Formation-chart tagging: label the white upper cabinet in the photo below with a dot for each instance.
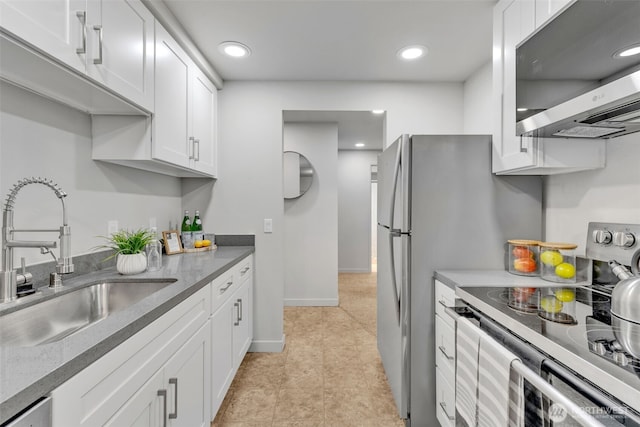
(56, 27)
(121, 48)
(185, 109)
(180, 138)
(203, 123)
(546, 9)
(172, 81)
(59, 43)
(513, 22)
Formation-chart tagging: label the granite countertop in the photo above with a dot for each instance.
(29, 373)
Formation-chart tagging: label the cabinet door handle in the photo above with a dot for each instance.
(223, 290)
(244, 270)
(523, 149)
(191, 147)
(163, 393)
(82, 17)
(237, 306)
(240, 309)
(444, 351)
(443, 406)
(98, 60)
(173, 416)
(196, 144)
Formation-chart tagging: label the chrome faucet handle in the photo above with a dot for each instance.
(55, 281)
(23, 277)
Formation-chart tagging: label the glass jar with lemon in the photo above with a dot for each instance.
(558, 304)
(558, 262)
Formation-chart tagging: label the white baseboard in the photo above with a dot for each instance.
(311, 302)
(354, 270)
(267, 346)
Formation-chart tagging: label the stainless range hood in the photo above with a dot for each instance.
(571, 80)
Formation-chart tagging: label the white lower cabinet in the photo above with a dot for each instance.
(232, 327)
(172, 355)
(178, 393)
(144, 408)
(221, 354)
(445, 349)
(174, 372)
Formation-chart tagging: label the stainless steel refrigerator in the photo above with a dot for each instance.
(439, 207)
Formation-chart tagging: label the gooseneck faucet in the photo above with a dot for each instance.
(8, 276)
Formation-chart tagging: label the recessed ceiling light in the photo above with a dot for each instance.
(628, 51)
(377, 111)
(412, 52)
(234, 49)
(360, 144)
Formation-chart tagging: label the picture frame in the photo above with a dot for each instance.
(172, 243)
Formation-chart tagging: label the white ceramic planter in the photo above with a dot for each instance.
(131, 264)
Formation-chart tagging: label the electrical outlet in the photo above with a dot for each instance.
(268, 225)
(112, 227)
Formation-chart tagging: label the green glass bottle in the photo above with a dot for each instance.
(187, 234)
(186, 222)
(196, 227)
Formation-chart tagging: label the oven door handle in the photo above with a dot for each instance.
(574, 411)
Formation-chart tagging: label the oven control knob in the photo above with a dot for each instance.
(599, 348)
(602, 237)
(623, 239)
(620, 358)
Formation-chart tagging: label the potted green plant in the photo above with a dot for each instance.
(129, 248)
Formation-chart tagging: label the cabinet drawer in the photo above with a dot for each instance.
(445, 401)
(445, 345)
(245, 269)
(222, 289)
(445, 297)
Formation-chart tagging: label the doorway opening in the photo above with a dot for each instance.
(374, 218)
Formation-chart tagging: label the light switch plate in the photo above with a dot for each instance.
(268, 225)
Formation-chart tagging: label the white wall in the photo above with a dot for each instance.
(39, 137)
(354, 210)
(478, 111)
(311, 221)
(249, 187)
(611, 194)
(571, 201)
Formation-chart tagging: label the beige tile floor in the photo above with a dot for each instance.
(329, 374)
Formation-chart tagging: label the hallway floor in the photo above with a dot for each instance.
(329, 375)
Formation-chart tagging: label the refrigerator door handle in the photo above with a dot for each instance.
(394, 285)
(396, 174)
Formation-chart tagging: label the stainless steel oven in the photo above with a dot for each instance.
(555, 394)
(579, 367)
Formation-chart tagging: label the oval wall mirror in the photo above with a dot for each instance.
(298, 174)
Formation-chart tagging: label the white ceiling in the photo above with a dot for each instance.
(347, 40)
(353, 126)
(341, 40)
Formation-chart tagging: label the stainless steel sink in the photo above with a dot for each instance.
(56, 318)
